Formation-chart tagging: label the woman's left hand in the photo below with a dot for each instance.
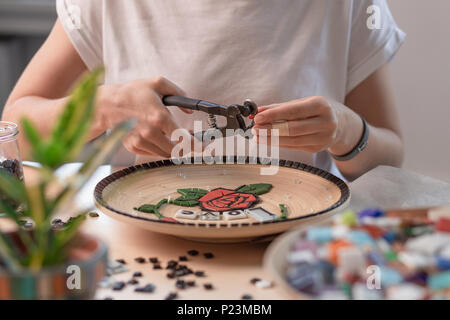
(311, 124)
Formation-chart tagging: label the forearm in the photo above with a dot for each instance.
(384, 147)
(42, 112)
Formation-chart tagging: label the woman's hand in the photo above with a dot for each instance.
(140, 99)
(311, 124)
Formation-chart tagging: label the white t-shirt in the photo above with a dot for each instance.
(228, 51)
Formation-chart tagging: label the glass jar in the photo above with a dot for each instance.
(9, 152)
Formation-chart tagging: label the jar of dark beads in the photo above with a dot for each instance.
(9, 152)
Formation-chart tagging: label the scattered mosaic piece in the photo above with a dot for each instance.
(115, 267)
(235, 215)
(153, 260)
(199, 274)
(139, 260)
(149, 288)
(186, 214)
(106, 282)
(263, 284)
(171, 264)
(208, 286)
(171, 296)
(171, 275)
(57, 221)
(260, 214)
(181, 284)
(193, 253)
(210, 215)
(118, 286)
(284, 213)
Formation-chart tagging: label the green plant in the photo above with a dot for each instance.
(44, 245)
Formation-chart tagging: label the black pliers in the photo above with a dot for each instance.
(234, 113)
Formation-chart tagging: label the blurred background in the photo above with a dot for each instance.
(420, 71)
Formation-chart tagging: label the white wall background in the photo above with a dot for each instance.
(421, 79)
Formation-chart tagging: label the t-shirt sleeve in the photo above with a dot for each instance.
(82, 21)
(375, 39)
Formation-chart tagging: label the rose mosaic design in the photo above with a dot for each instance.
(221, 200)
(218, 200)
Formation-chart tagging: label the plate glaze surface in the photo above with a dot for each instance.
(310, 194)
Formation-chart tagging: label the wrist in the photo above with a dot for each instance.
(103, 99)
(349, 132)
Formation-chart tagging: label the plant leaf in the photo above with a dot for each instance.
(78, 108)
(31, 133)
(9, 211)
(70, 229)
(8, 255)
(12, 187)
(102, 150)
(61, 240)
(36, 204)
(73, 125)
(256, 189)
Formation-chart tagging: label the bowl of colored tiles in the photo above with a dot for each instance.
(220, 202)
(372, 255)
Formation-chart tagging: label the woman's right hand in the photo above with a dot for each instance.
(140, 99)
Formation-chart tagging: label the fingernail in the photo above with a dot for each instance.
(259, 118)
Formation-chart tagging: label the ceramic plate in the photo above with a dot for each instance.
(310, 195)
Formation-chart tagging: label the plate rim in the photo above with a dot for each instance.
(102, 184)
